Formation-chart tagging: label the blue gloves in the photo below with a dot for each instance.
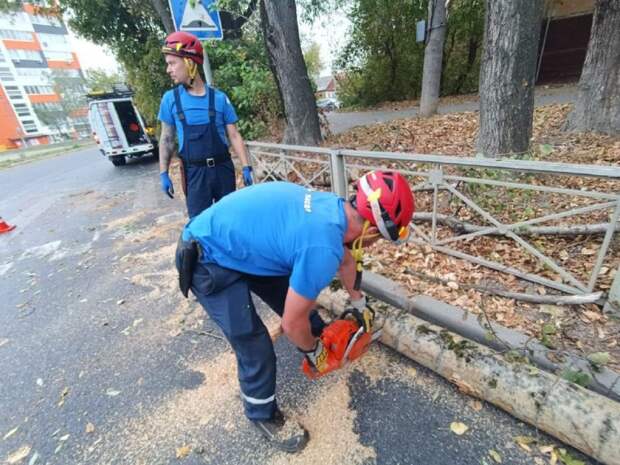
(166, 184)
(247, 176)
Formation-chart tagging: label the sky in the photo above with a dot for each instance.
(329, 31)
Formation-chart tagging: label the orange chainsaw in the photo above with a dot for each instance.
(347, 338)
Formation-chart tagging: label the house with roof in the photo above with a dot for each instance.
(326, 87)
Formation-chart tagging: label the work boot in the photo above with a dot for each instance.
(286, 435)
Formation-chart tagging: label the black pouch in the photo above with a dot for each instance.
(186, 259)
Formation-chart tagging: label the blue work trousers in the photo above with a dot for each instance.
(225, 295)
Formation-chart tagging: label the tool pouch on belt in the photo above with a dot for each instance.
(187, 257)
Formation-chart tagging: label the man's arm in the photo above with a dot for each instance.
(167, 146)
(237, 144)
(296, 320)
(347, 274)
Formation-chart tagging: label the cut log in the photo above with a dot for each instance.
(602, 380)
(579, 417)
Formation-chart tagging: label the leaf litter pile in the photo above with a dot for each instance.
(583, 329)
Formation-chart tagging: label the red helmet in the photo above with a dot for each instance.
(185, 45)
(385, 199)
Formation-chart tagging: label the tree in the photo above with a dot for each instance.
(382, 60)
(461, 58)
(281, 35)
(312, 58)
(433, 53)
(99, 80)
(598, 103)
(507, 75)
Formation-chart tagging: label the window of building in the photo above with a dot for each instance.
(5, 74)
(39, 90)
(13, 92)
(29, 125)
(19, 54)
(46, 20)
(16, 35)
(58, 56)
(54, 41)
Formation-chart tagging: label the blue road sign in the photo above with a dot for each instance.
(198, 17)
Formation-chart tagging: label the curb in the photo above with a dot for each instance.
(577, 416)
(604, 381)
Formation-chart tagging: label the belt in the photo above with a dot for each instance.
(209, 162)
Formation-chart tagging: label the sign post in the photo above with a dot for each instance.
(201, 19)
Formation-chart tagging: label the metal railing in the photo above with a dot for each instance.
(451, 179)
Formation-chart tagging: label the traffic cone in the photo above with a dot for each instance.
(5, 227)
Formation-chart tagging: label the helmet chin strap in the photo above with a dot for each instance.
(192, 70)
(357, 251)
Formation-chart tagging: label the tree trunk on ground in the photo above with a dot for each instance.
(279, 25)
(433, 53)
(512, 29)
(579, 417)
(161, 6)
(598, 102)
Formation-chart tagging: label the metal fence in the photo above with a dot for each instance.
(454, 189)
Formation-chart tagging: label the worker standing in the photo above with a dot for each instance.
(204, 120)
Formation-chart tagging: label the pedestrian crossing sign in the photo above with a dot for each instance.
(200, 17)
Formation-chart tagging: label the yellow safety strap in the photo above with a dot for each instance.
(192, 69)
(357, 251)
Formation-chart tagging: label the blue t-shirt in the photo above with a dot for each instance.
(275, 229)
(196, 111)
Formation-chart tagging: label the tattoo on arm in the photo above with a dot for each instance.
(167, 146)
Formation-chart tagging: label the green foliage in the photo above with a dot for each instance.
(147, 77)
(577, 377)
(382, 60)
(463, 47)
(99, 80)
(312, 57)
(598, 359)
(240, 69)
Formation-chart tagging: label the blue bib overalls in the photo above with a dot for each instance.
(209, 170)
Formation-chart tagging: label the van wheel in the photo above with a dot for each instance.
(118, 160)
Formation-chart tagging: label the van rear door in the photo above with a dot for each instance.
(131, 124)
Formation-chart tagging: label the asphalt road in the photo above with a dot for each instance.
(342, 121)
(103, 362)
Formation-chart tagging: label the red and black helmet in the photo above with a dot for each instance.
(385, 199)
(185, 45)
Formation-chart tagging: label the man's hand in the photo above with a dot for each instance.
(166, 184)
(321, 358)
(247, 176)
(368, 314)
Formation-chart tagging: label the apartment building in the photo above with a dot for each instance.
(36, 60)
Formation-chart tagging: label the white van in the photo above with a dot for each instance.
(118, 127)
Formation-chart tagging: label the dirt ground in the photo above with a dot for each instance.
(584, 329)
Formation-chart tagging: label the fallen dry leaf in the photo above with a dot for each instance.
(475, 405)
(19, 455)
(183, 452)
(10, 433)
(90, 428)
(495, 456)
(524, 442)
(63, 394)
(458, 428)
